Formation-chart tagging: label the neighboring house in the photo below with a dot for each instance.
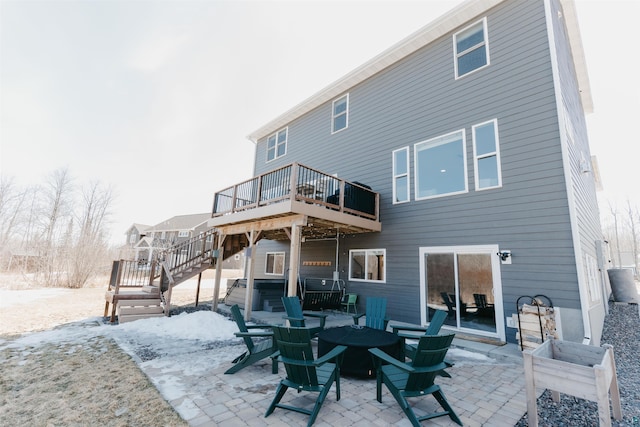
(471, 134)
(177, 229)
(135, 233)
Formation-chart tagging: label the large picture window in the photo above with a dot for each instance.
(277, 145)
(275, 263)
(340, 114)
(367, 265)
(440, 166)
(401, 175)
(471, 48)
(486, 155)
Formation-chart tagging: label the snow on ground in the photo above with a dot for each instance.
(10, 298)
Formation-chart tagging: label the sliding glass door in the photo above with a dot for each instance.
(465, 282)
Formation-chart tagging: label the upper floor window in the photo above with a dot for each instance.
(401, 175)
(486, 155)
(275, 263)
(183, 234)
(277, 145)
(471, 48)
(367, 265)
(440, 166)
(340, 114)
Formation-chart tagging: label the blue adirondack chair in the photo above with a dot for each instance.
(296, 316)
(376, 313)
(415, 379)
(255, 350)
(303, 372)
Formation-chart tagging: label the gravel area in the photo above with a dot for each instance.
(622, 331)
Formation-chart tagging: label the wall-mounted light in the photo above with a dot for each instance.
(505, 256)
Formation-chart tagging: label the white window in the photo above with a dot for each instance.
(340, 114)
(367, 265)
(440, 166)
(183, 234)
(132, 238)
(277, 145)
(275, 263)
(486, 155)
(401, 175)
(471, 48)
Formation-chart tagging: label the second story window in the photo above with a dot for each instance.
(486, 155)
(440, 166)
(340, 114)
(277, 145)
(401, 175)
(471, 48)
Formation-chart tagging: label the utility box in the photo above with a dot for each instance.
(580, 370)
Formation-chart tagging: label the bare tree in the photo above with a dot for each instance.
(614, 214)
(90, 247)
(56, 196)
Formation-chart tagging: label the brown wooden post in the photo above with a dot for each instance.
(219, 258)
(198, 288)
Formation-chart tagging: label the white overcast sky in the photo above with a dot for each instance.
(156, 97)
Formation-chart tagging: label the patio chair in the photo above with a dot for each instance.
(303, 372)
(257, 350)
(350, 301)
(296, 316)
(437, 320)
(484, 309)
(375, 312)
(415, 379)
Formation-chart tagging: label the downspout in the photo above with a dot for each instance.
(577, 246)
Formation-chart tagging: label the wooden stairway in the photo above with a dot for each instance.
(141, 290)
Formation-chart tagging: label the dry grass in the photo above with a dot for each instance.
(94, 383)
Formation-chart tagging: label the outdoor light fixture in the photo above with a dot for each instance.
(505, 256)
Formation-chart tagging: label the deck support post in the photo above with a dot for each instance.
(294, 259)
(216, 283)
(248, 298)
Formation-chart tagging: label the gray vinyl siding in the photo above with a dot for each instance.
(417, 99)
(587, 217)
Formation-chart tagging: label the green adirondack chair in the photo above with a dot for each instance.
(255, 350)
(296, 316)
(437, 320)
(375, 312)
(415, 379)
(303, 372)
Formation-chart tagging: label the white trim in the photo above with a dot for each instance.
(416, 170)
(485, 44)
(575, 235)
(395, 175)
(492, 250)
(333, 115)
(366, 257)
(495, 153)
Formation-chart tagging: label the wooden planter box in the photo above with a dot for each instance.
(579, 370)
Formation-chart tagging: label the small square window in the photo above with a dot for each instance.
(367, 265)
(340, 114)
(471, 48)
(275, 263)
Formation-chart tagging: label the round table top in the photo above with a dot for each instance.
(358, 336)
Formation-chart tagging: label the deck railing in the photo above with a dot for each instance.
(300, 183)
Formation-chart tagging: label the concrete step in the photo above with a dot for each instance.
(273, 305)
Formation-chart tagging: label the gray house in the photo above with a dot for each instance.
(451, 171)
